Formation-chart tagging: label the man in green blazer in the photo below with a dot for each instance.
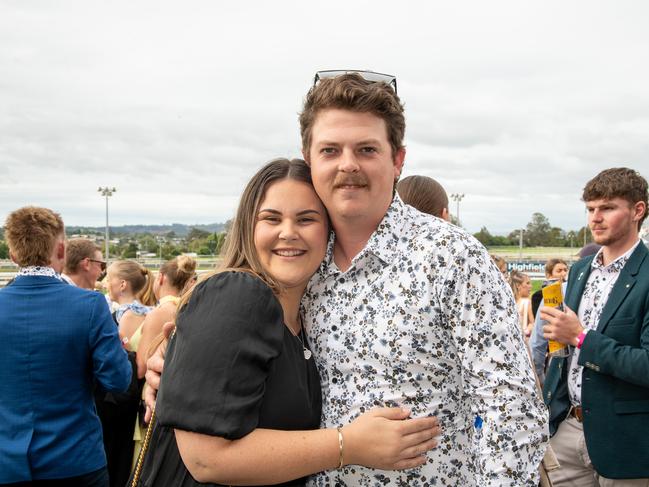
(598, 396)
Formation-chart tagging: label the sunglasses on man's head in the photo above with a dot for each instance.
(100, 262)
(366, 75)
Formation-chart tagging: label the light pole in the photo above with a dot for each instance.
(520, 244)
(457, 197)
(106, 192)
(160, 240)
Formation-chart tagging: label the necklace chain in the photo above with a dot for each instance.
(302, 339)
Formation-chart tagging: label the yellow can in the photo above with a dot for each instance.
(553, 297)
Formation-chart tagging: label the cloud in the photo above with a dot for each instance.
(515, 105)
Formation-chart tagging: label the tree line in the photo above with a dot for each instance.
(166, 246)
(537, 233)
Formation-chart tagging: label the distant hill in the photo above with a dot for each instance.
(179, 229)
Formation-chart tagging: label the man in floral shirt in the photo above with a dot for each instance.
(599, 395)
(409, 310)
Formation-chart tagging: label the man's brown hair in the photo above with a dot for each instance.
(352, 92)
(31, 234)
(77, 250)
(618, 182)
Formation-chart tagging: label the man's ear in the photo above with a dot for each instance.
(445, 215)
(12, 257)
(399, 158)
(305, 156)
(640, 209)
(60, 250)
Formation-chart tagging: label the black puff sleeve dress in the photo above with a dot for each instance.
(231, 367)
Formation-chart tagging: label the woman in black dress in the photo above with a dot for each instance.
(239, 401)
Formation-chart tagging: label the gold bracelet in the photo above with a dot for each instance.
(341, 445)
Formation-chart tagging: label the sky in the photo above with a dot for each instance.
(177, 103)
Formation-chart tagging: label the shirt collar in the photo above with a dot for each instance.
(38, 270)
(382, 243)
(384, 240)
(617, 264)
(68, 279)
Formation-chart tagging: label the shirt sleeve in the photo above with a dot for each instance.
(623, 352)
(496, 371)
(538, 345)
(110, 362)
(227, 337)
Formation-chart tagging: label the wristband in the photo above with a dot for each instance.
(340, 446)
(580, 338)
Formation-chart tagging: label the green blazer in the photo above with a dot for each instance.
(615, 379)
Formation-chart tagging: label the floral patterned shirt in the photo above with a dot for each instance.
(38, 270)
(424, 319)
(135, 307)
(596, 291)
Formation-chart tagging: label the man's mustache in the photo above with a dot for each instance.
(350, 180)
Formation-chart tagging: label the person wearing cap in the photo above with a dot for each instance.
(598, 396)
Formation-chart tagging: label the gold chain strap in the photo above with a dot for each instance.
(145, 446)
(147, 438)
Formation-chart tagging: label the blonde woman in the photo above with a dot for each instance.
(522, 287)
(174, 277)
(168, 286)
(128, 283)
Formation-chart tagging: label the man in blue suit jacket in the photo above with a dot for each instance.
(56, 341)
(598, 397)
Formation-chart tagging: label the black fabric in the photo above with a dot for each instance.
(118, 425)
(537, 297)
(117, 412)
(231, 367)
(98, 478)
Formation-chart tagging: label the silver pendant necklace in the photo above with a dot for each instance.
(307, 352)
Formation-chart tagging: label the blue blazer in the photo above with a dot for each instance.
(615, 379)
(56, 340)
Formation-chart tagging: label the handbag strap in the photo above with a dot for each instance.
(145, 447)
(147, 439)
